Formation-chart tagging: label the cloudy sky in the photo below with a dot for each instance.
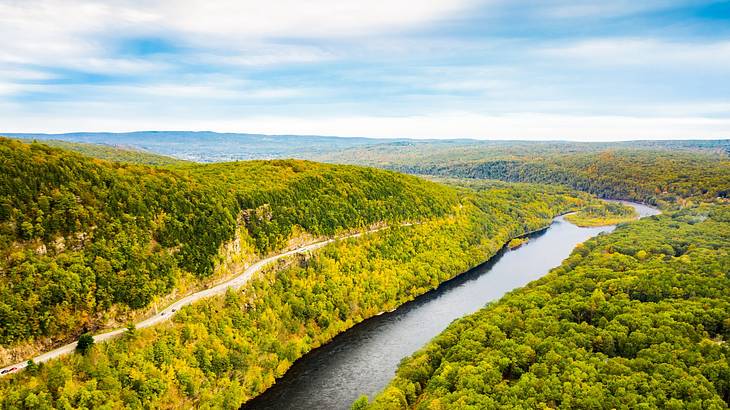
(552, 69)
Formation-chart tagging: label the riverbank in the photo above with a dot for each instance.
(232, 347)
(620, 314)
(363, 358)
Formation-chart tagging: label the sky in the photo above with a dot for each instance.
(489, 69)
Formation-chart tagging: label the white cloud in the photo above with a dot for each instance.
(603, 9)
(18, 80)
(56, 32)
(220, 91)
(294, 18)
(10, 88)
(643, 52)
(185, 95)
(23, 74)
(267, 55)
(82, 36)
(37, 32)
(53, 34)
(399, 72)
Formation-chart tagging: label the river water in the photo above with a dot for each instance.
(363, 359)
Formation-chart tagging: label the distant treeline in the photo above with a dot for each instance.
(653, 177)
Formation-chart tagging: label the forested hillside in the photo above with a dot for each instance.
(655, 172)
(114, 153)
(319, 198)
(634, 319)
(224, 350)
(87, 242)
(658, 172)
(430, 153)
(209, 146)
(84, 241)
(648, 176)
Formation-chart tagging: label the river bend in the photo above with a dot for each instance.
(363, 359)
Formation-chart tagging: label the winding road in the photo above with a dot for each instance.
(235, 283)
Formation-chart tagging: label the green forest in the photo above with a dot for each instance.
(603, 214)
(446, 153)
(653, 177)
(509, 355)
(658, 173)
(224, 350)
(635, 319)
(364, 205)
(85, 241)
(116, 153)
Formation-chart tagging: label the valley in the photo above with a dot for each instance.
(308, 305)
(363, 359)
(364, 205)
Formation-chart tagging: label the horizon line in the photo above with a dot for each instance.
(394, 139)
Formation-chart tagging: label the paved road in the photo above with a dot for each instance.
(163, 315)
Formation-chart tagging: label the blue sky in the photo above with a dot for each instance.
(384, 68)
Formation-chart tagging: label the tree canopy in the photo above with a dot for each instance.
(224, 350)
(82, 239)
(634, 319)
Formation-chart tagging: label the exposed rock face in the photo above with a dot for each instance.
(262, 213)
(59, 244)
(41, 250)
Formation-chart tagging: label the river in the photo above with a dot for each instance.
(363, 359)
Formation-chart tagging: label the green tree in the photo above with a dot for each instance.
(361, 403)
(85, 343)
(31, 367)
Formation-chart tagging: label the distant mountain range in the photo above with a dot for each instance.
(207, 146)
